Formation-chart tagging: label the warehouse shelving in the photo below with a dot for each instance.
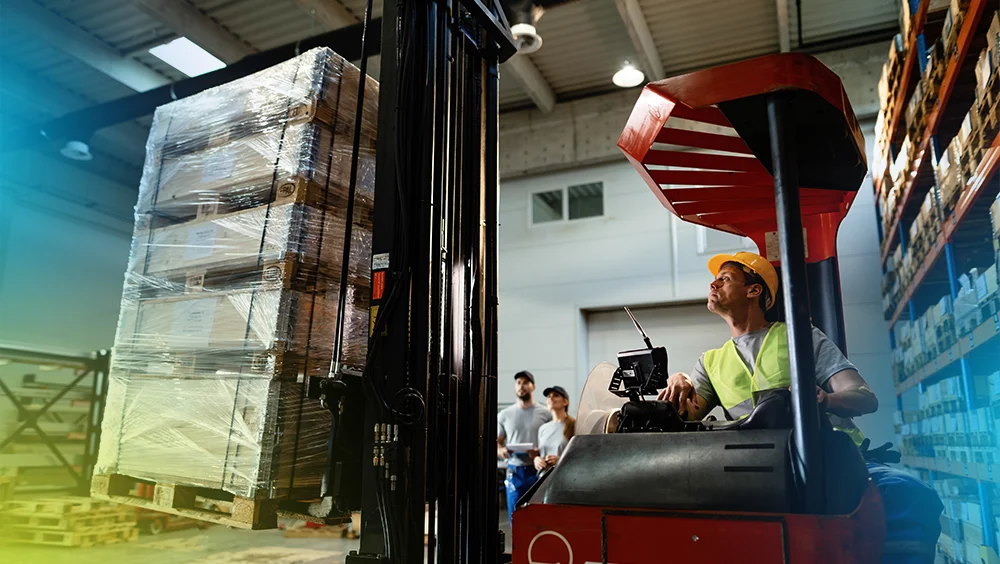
(44, 406)
(917, 176)
(936, 263)
(916, 28)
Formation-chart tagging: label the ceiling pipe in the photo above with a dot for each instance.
(82, 123)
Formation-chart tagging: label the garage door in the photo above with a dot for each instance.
(685, 330)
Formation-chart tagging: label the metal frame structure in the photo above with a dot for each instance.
(429, 385)
(94, 366)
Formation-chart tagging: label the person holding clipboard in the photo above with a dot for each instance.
(517, 438)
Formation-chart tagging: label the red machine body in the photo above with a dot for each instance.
(570, 534)
(700, 142)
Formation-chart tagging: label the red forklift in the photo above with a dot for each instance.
(768, 149)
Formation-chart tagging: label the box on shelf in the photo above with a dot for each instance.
(993, 39)
(231, 293)
(985, 65)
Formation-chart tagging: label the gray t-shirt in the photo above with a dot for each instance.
(829, 361)
(552, 438)
(516, 425)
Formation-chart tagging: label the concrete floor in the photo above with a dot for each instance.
(212, 545)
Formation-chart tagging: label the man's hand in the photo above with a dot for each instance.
(551, 460)
(540, 463)
(680, 392)
(822, 398)
(502, 452)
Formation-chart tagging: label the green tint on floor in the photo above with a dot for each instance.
(213, 545)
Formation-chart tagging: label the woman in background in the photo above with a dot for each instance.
(554, 435)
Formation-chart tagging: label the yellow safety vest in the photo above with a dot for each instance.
(734, 384)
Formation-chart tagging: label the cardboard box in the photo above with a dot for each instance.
(984, 69)
(904, 19)
(215, 340)
(993, 39)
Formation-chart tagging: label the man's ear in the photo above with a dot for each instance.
(755, 291)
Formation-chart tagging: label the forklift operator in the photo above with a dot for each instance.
(756, 358)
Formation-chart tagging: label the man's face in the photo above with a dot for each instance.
(523, 388)
(729, 291)
(556, 401)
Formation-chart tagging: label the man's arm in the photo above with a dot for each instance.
(680, 391)
(847, 394)
(840, 388)
(502, 451)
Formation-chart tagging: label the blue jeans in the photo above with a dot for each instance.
(912, 514)
(519, 480)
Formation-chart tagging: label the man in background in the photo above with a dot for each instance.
(518, 424)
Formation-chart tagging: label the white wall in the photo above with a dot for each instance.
(639, 253)
(63, 249)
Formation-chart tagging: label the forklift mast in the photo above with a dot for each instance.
(426, 433)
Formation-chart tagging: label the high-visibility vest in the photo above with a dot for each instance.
(734, 384)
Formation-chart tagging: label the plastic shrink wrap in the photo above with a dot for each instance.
(231, 293)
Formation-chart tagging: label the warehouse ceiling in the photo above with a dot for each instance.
(62, 55)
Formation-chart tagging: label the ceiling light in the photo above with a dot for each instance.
(187, 57)
(77, 151)
(628, 77)
(526, 38)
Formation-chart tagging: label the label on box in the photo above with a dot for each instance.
(218, 166)
(192, 323)
(200, 242)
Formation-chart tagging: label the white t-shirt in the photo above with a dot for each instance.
(552, 438)
(517, 425)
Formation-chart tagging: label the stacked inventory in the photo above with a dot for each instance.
(937, 200)
(962, 535)
(67, 521)
(231, 295)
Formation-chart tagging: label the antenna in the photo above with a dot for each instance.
(639, 328)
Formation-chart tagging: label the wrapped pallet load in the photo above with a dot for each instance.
(231, 294)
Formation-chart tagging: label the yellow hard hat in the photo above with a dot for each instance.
(754, 262)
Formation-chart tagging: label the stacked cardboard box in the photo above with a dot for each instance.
(953, 23)
(231, 295)
(950, 180)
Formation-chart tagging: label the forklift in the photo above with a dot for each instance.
(728, 148)
(767, 148)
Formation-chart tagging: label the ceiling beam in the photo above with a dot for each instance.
(527, 75)
(784, 35)
(190, 22)
(74, 41)
(331, 13)
(642, 38)
(49, 100)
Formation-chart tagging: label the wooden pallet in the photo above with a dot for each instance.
(123, 533)
(215, 506)
(69, 522)
(326, 531)
(65, 505)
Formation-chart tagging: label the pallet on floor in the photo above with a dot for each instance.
(56, 505)
(325, 531)
(69, 522)
(214, 506)
(121, 532)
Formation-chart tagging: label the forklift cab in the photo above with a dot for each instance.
(768, 149)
